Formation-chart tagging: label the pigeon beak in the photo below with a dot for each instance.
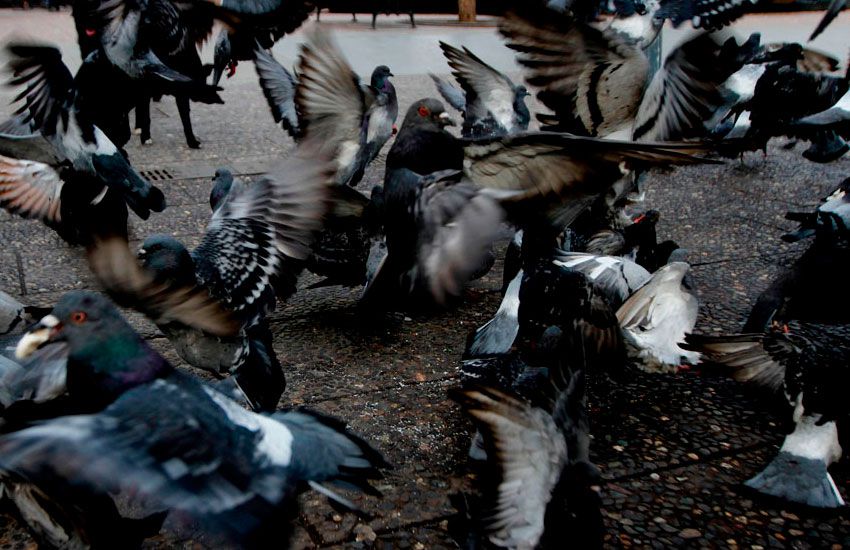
(446, 120)
(141, 254)
(44, 331)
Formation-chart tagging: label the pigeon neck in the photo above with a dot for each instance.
(107, 368)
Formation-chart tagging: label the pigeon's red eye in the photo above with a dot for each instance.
(79, 317)
(423, 111)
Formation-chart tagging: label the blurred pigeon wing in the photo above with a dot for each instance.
(747, 355)
(278, 87)
(48, 85)
(683, 94)
(458, 225)
(487, 91)
(30, 189)
(130, 285)
(262, 235)
(705, 14)
(586, 76)
(529, 452)
(454, 96)
(331, 100)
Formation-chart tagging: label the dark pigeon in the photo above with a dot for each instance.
(808, 363)
(169, 440)
(50, 106)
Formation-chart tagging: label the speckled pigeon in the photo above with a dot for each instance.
(168, 439)
(253, 250)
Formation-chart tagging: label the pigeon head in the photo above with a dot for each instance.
(380, 77)
(223, 181)
(168, 259)
(106, 356)
(427, 113)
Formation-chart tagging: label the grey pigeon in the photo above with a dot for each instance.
(253, 250)
(493, 104)
(656, 318)
(355, 119)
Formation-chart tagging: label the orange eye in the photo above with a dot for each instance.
(79, 317)
(423, 111)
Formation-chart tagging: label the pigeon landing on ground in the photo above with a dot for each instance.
(808, 362)
(254, 248)
(656, 318)
(171, 441)
(355, 119)
(492, 104)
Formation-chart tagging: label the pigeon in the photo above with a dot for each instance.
(613, 278)
(830, 219)
(808, 362)
(356, 119)
(492, 104)
(475, 184)
(163, 436)
(530, 409)
(278, 87)
(834, 122)
(91, 160)
(253, 250)
(656, 318)
(601, 86)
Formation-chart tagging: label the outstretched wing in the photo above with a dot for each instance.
(458, 224)
(278, 87)
(528, 454)
(684, 93)
(831, 13)
(454, 96)
(48, 85)
(704, 14)
(30, 189)
(593, 80)
(488, 92)
(257, 241)
(332, 102)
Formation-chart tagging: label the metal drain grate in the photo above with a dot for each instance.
(159, 174)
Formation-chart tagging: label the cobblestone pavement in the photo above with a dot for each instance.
(673, 450)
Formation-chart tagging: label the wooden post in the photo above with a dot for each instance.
(466, 11)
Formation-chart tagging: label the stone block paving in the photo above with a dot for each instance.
(673, 450)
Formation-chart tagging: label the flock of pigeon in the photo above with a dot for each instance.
(94, 418)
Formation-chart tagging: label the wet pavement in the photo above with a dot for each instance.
(673, 450)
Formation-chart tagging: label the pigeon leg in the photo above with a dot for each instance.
(186, 118)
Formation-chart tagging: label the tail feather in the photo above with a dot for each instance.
(498, 334)
(323, 450)
(798, 479)
(745, 353)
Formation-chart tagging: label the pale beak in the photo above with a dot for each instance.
(445, 120)
(39, 335)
